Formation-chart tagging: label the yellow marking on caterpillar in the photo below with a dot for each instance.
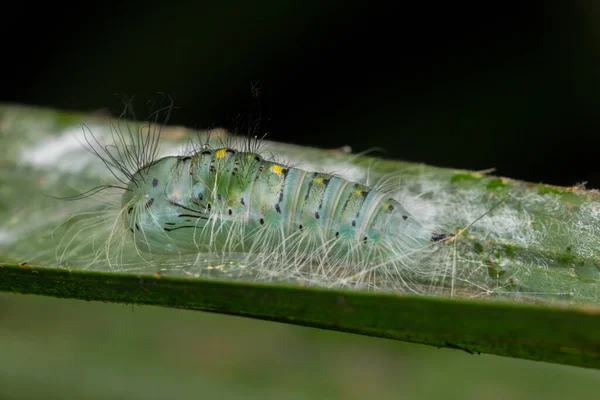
(220, 153)
(277, 169)
(318, 180)
(358, 192)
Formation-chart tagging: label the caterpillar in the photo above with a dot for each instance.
(231, 200)
(224, 199)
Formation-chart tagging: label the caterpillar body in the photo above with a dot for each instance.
(231, 200)
(236, 201)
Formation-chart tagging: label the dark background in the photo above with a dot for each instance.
(509, 85)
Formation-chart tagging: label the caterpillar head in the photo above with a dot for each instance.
(155, 202)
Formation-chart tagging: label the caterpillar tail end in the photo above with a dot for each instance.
(437, 237)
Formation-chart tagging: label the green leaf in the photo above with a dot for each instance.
(522, 281)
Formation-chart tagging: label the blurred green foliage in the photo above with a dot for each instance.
(57, 349)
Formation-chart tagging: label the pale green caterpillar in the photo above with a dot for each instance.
(236, 201)
(229, 200)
